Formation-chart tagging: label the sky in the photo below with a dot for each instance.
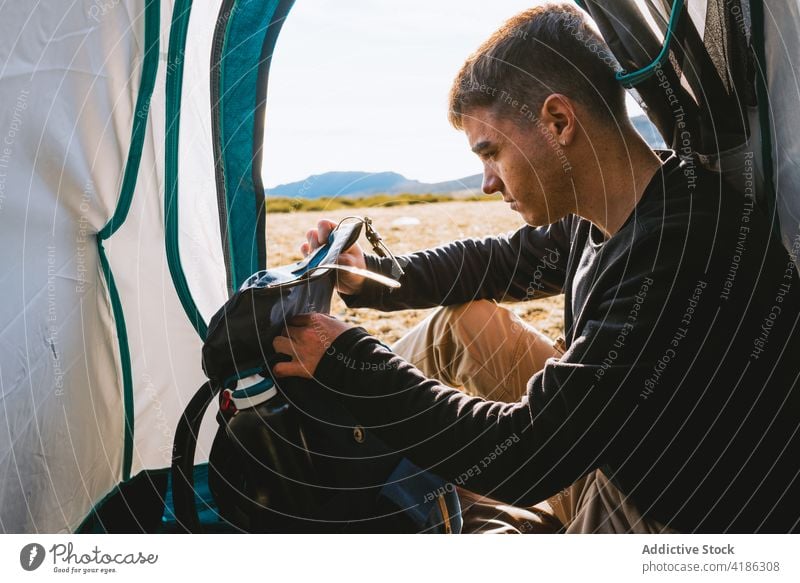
(363, 84)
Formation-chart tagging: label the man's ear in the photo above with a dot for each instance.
(558, 116)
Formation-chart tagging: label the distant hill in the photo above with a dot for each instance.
(359, 184)
(366, 183)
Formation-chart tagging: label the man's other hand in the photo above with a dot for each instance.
(306, 339)
(346, 283)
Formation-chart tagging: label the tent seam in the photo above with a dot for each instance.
(130, 175)
(174, 85)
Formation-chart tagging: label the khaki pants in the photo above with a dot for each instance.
(488, 351)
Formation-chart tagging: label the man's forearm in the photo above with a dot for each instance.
(528, 264)
(488, 447)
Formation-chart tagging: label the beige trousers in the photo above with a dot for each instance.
(488, 351)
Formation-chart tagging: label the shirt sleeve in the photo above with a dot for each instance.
(528, 264)
(576, 411)
(488, 447)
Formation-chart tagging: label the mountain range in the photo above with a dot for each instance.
(354, 184)
(366, 183)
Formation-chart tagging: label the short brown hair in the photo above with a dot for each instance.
(541, 51)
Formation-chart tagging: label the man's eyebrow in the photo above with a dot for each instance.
(481, 146)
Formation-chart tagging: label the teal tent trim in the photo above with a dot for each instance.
(633, 78)
(764, 118)
(152, 19)
(125, 361)
(239, 82)
(174, 87)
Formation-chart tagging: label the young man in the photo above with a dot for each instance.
(672, 403)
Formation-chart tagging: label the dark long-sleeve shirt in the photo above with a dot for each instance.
(679, 380)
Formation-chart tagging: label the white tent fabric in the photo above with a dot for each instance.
(97, 355)
(70, 79)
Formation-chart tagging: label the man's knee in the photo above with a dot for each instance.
(467, 320)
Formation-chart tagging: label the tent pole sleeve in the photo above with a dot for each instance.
(635, 77)
(215, 84)
(251, 32)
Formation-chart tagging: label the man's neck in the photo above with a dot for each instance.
(617, 183)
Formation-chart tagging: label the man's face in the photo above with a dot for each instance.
(523, 162)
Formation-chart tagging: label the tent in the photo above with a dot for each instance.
(131, 202)
(131, 206)
(718, 79)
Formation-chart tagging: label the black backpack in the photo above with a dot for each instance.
(287, 457)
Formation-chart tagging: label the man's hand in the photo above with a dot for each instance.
(307, 338)
(346, 283)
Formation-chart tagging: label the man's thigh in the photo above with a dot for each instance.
(487, 351)
(599, 507)
(481, 347)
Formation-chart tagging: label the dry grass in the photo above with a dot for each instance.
(277, 204)
(438, 223)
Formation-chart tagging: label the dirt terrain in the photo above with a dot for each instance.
(406, 229)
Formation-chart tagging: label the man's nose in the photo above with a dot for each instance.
(491, 182)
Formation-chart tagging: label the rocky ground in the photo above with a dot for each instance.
(406, 229)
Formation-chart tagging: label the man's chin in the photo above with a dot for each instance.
(533, 221)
